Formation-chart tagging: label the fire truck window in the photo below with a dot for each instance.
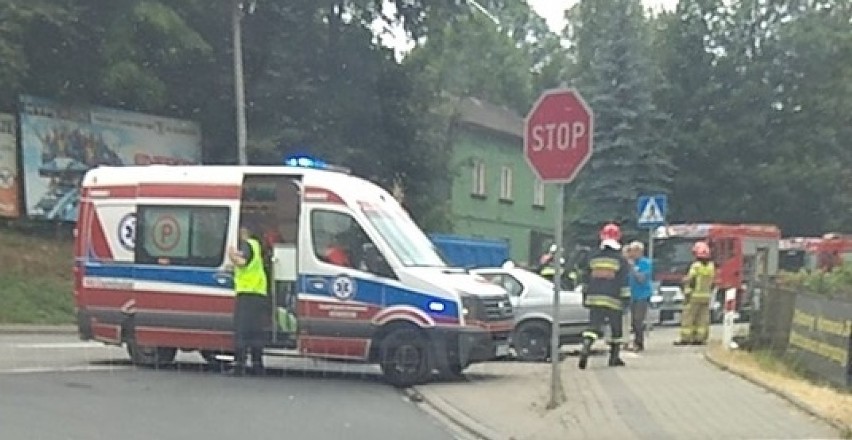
(339, 240)
(180, 235)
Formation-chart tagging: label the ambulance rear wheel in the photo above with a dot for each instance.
(405, 357)
(212, 359)
(150, 356)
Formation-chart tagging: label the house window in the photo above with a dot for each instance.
(506, 184)
(478, 179)
(538, 193)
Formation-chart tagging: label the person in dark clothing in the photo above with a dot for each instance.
(251, 287)
(606, 294)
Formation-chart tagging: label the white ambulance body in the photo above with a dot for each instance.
(152, 271)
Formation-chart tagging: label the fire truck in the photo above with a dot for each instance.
(815, 253)
(743, 254)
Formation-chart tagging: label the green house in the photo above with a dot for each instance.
(494, 193)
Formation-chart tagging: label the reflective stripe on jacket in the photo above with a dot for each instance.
(699, 280)
(251, 278)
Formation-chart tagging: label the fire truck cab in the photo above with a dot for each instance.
(815, 253)
(743, 254)
(152, 272)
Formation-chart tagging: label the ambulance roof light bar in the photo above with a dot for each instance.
(302, 161)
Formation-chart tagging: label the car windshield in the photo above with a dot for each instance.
(405, 239)
(673, 255)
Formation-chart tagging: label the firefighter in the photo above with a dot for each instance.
(251, 288)
(545, 263)
(606, 294)
(698, 286)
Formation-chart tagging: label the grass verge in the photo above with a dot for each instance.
(772, 373)
(36, 285)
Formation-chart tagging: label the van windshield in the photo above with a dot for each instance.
(405, 239)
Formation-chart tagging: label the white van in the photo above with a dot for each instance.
(151, 270)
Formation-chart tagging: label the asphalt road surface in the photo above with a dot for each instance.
(57, 387)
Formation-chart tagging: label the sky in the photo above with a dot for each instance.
(553, 10)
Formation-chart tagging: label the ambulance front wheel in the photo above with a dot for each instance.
(405, 356)
(150, 356)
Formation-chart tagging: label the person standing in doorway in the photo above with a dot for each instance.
(641, 288)
(251, 287)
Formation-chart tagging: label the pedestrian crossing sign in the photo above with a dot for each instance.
(651, 211)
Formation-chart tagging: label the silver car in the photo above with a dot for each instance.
(532, 301)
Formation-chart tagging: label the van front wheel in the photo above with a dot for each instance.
(405, 357)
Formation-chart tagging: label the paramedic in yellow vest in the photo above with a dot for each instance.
(250, 309)
(698, 287)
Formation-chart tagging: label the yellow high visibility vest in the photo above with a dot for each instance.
(251, 278)
(700, 279)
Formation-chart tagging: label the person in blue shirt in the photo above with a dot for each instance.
(641, 288)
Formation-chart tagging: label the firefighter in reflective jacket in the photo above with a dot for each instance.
(605, 295)
(545, 263)
(698, 286)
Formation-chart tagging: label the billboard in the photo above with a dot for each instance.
(59, 143)
(8, 167)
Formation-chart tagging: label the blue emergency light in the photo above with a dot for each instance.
(301, 161)
(305, 162)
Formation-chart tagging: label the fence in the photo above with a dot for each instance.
(813, 331)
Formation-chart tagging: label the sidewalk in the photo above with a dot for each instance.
(665, 393)
(37, 329)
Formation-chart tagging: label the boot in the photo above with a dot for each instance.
(614, 359)
(584, 352)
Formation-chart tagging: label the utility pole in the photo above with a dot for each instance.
(239, 85)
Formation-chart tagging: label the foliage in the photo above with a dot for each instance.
(616, 79)
(837, 282)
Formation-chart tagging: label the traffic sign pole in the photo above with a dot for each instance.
(557, 393)
(558, 140)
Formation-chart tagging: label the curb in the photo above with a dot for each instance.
(457, 417)
(27, 329)
(766, 385)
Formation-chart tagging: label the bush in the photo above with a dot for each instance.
(836, 283)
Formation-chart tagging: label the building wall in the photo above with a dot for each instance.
(489, 216)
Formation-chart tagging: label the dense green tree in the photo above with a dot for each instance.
(616, 79)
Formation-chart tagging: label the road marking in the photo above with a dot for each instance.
(60, 345)
(84, 368)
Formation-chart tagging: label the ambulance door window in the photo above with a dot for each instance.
(339, 240)
(182, 235)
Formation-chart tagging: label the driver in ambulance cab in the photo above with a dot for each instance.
(335, 253)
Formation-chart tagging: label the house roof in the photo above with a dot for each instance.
(489, 116)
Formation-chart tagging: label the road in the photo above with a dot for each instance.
(57, 387)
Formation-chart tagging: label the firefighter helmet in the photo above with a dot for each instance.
(610, 231)
(610, 236)
(701, 250)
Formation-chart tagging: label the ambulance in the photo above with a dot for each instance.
(151, 270)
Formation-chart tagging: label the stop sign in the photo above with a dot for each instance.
(558, 134)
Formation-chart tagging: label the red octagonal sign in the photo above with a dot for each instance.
(558, 134)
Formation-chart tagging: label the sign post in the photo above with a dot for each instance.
(558, 140)
(650, 214)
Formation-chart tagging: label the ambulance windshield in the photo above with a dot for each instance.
(404, 238)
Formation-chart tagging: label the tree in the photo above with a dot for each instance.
(630, 133)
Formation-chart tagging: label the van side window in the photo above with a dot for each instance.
(339, 240)
(182, 235)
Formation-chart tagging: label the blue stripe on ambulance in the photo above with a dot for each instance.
(381, 294)
(366, 291)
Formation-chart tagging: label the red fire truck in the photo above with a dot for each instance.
(743, 253)
(812, 253)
